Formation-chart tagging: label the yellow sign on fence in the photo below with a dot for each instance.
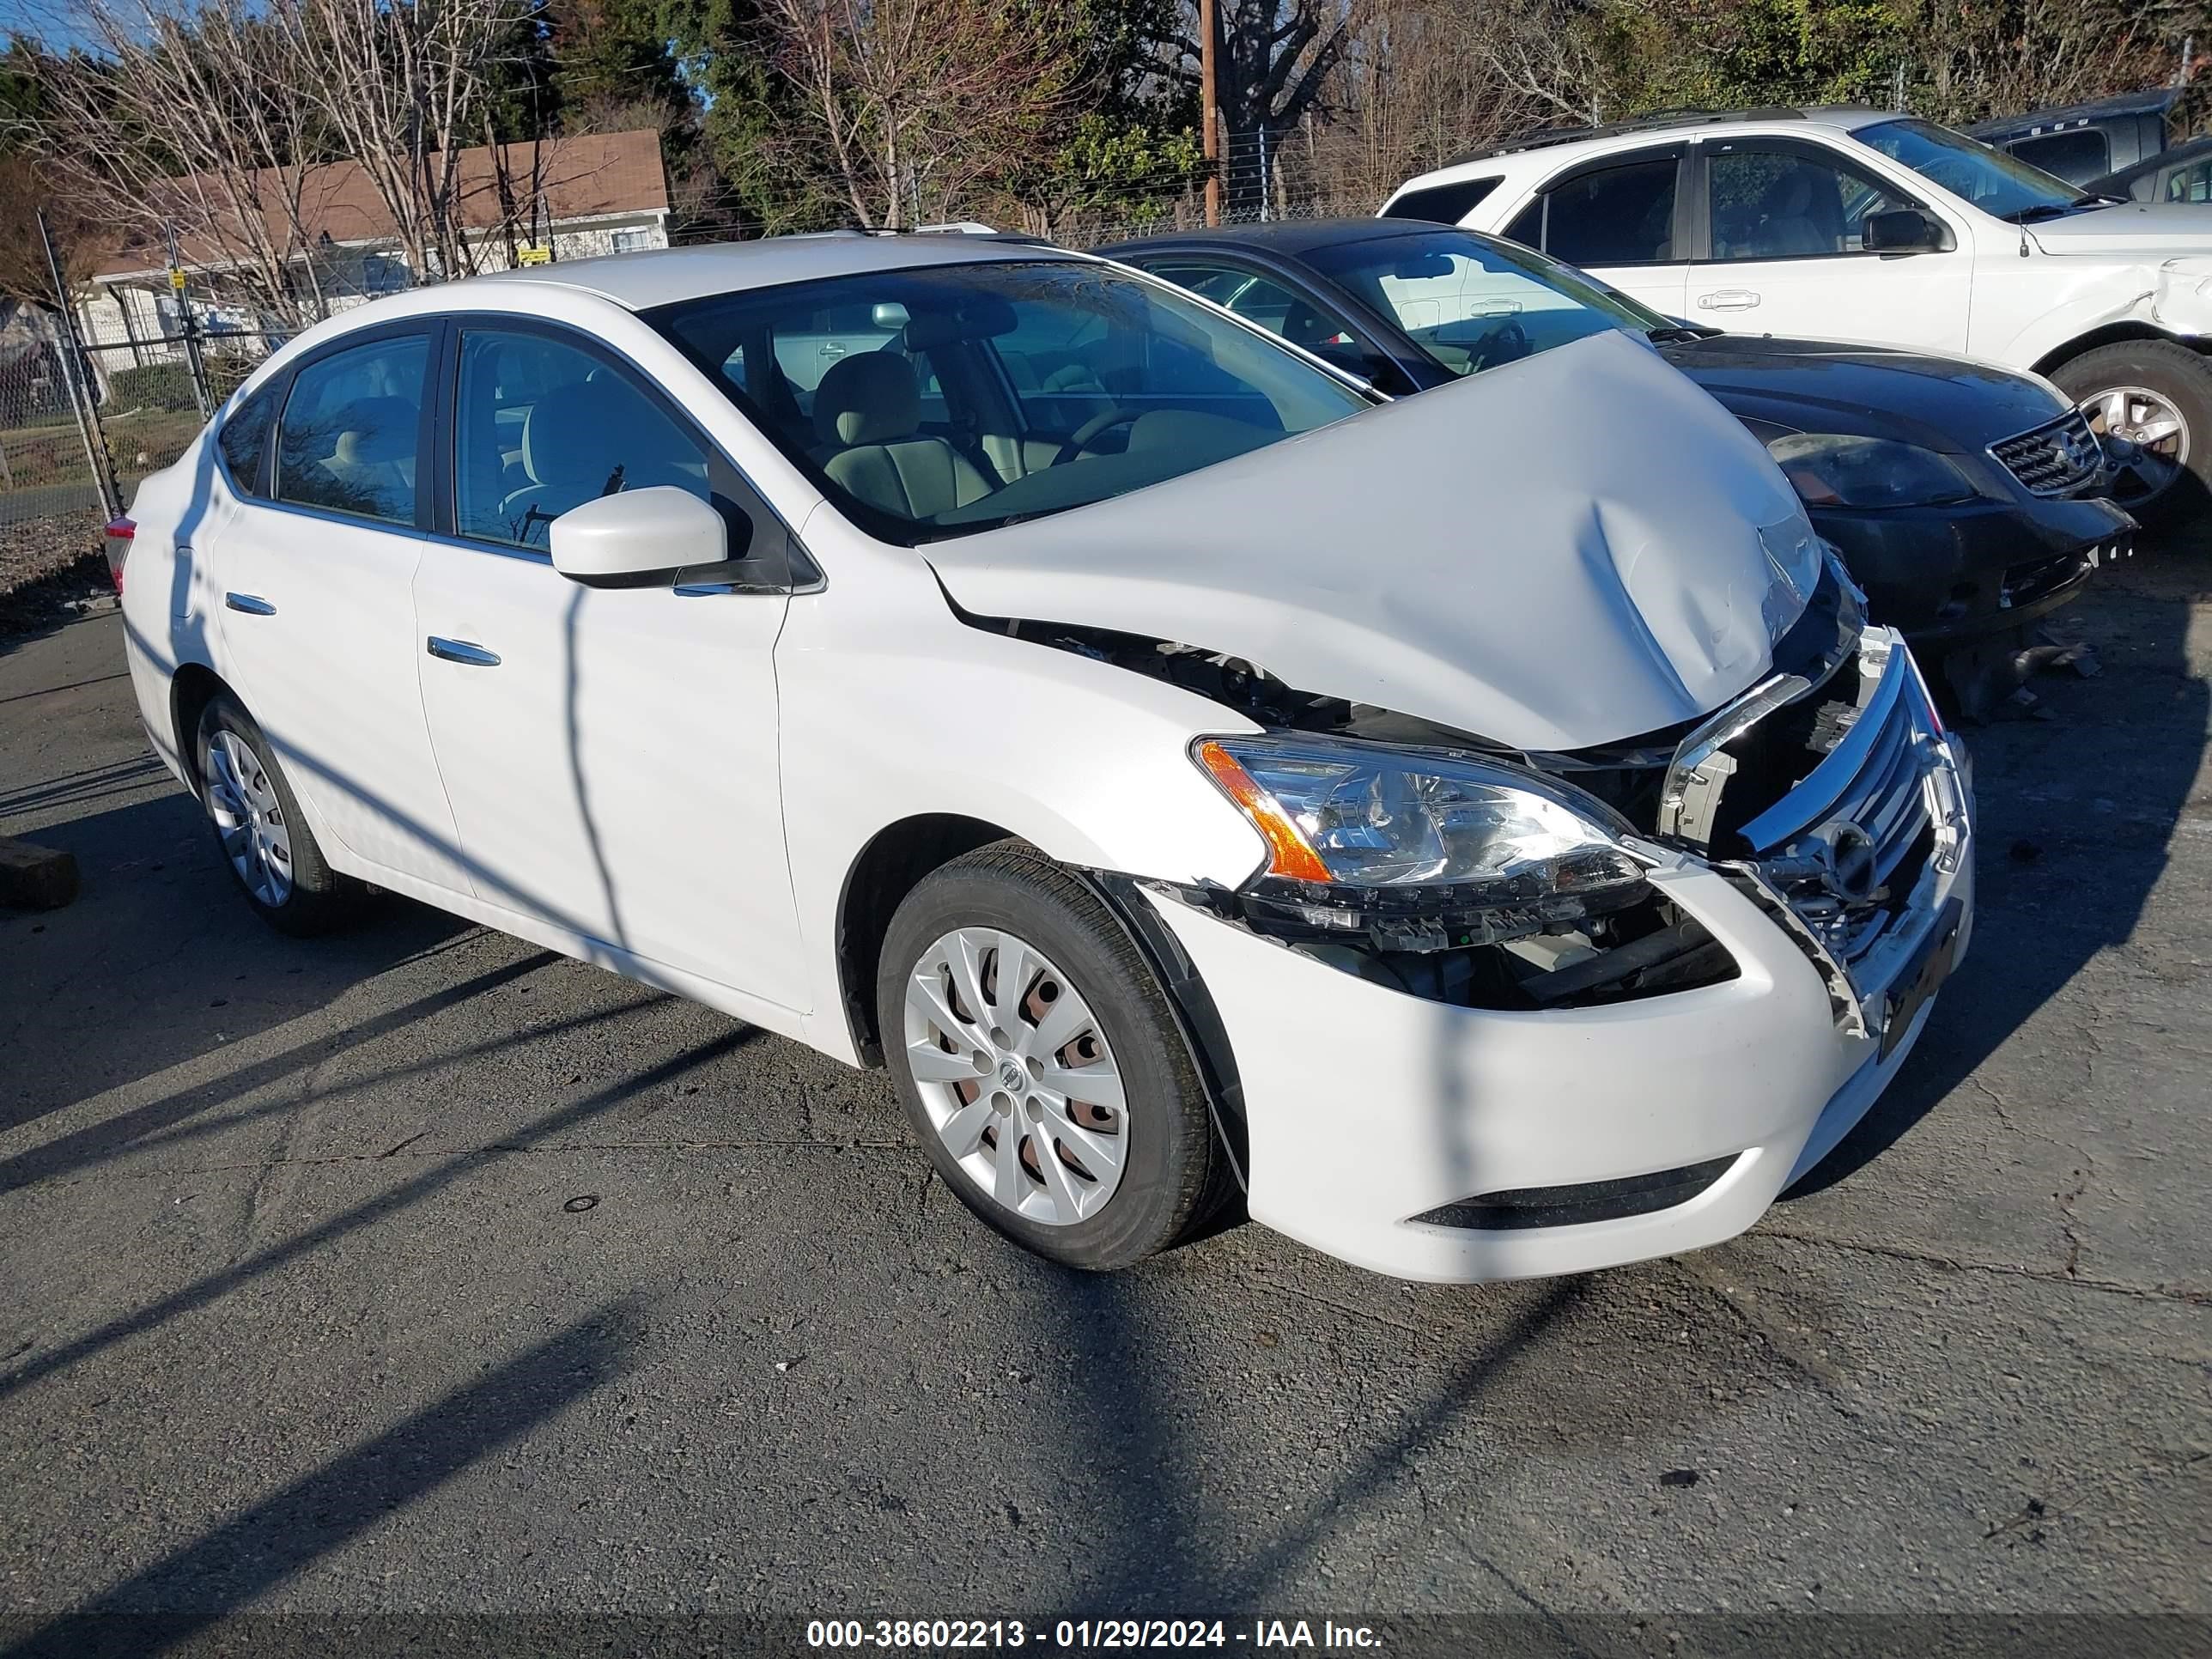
(531, 254)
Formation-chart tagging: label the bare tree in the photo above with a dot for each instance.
(1552, 56)
(915, 106)
(242, 122)
(170, 116)
(399, 85)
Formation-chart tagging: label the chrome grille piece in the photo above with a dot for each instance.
(1846, 846)
(2054, 459)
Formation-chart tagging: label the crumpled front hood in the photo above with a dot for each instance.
(2139, 230)
(1562, 551)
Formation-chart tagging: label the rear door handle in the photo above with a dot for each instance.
(460, 651)
(1728, 298)
(248, 604)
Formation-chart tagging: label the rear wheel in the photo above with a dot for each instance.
(2156, 396)
(1041, 1063)
(259, 828)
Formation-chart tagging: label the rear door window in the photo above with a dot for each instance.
(1622, 215)
(347, 442)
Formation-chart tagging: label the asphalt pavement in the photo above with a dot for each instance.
(420, 1274)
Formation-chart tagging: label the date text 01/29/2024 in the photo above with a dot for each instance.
(1084, 1633)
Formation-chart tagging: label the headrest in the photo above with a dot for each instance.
(870, 398)
(373, 430)
(1791, 194)
(573, 435)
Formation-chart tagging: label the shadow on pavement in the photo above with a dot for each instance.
(224, 1569)
(431, 1181)
(128, 980)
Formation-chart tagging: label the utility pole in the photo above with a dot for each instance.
(1208, 25)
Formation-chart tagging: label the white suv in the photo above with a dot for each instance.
(1854, 224)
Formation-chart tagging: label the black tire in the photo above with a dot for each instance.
(317, 898)
(1173, 1166)
(2183, 379)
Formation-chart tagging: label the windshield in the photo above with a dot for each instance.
(1472, 303)
(1998, 184)
(955, 398)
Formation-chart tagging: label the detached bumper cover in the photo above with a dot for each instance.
(1943, 573)
(1368, 1110)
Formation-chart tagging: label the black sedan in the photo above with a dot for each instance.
(1966, 500)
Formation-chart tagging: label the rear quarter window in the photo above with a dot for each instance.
(242, 438)
(1445, 204)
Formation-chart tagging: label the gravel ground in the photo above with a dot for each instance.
(434, 1294)
(50, 566)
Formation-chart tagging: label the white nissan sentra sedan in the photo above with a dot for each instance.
(1481, 828)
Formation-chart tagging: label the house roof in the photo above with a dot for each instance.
(580, 177)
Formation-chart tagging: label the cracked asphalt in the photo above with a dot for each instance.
(419, 1272)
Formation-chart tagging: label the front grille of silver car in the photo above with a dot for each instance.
(2054, 459)
(1846, 846)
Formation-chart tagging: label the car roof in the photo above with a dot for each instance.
(2188, 150)
(2151, 100)
(1510, 152)
(1286, 236)
(662, 277)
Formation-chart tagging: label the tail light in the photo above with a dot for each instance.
(121, 532)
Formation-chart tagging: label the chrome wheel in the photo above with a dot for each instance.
(248, 818)
(1015, 1075)
(2147, 419)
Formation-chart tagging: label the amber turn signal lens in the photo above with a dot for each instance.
(1289, 853)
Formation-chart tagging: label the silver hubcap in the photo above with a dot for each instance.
(247, 817)
(1017, 1075)
(2142, 417)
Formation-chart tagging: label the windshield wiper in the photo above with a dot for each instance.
(1680, 334)
(2098, 199)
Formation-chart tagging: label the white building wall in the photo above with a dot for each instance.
(349, 275)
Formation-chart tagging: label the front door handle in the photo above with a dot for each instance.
(1728, 298)
(460, 651)
(248, 604)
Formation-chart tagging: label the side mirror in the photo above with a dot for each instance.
(1903, 230)
(637, 537)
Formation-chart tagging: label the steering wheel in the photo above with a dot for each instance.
(1506, 343)
(1083, 437)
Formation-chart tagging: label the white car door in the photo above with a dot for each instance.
(609, 753)
(1785, 218)
(315, 565)
(1620, 218)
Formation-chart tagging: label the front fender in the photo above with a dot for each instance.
(2173, 298)
(891, 708)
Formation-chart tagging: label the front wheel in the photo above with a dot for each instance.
(1041, 1063)
(259, 828)
(2156, 396)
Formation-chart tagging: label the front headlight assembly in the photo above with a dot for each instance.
(1418, 849)
(1827, 469)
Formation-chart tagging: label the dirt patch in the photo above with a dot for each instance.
(49, 567)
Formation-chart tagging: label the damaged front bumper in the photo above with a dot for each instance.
(1947, 574)
(1431, 1140)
